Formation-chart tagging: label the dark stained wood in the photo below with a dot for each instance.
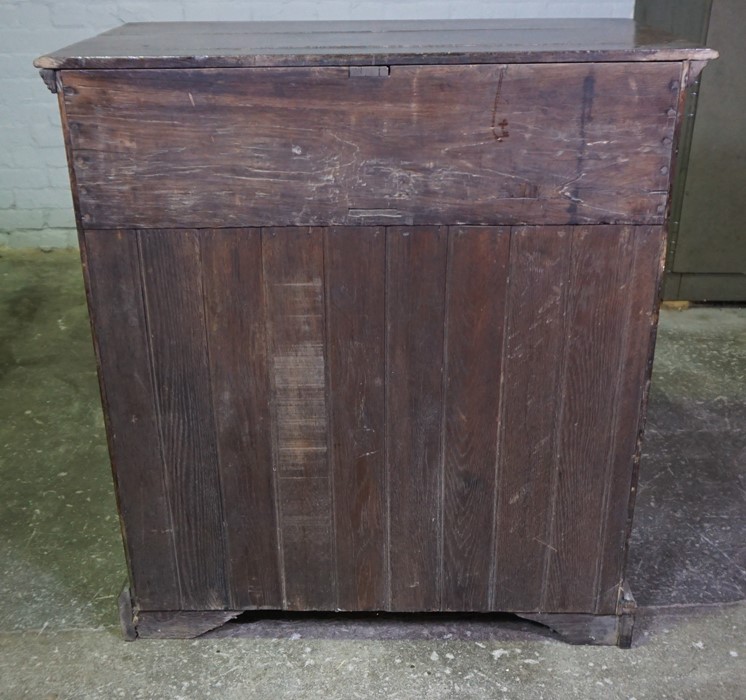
(233, 44)
(126, 621)
(180, 624)
(535, 328)
(487, 144)
(592, 388)
(642, 289)
(171, 282)
(355, 291)
(121, 337)
(469, 498)
(293, 269)
(75, 190)
(374, 307)
(584, 628)
(475, 309)
(415, 314)
(235, 318)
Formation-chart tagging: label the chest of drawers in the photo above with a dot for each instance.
(374, 308)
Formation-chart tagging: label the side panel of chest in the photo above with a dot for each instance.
(478, 144)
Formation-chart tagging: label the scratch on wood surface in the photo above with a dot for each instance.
(546, 544)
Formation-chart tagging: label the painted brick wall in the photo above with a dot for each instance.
(35, 202)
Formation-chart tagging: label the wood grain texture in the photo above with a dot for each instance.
(596, 326)
(231, 44)
(355, 281)
(171, 281)
(539, 281)
(236, 322)
(475, 311)
(408, 418)
(415, 314)
(643, 290)
(293, 269)
(116, 306)
(480, 144)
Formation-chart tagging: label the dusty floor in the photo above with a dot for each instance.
(61, 562)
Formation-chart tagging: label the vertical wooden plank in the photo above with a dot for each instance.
(596, 323)
(415, 291)
(172, 278)
(115, 298)
(235, 315)
(355, 269)
(642, 301)
(293, 262)
(539, 267)
(475, 310)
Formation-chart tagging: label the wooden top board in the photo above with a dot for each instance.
(247, 44)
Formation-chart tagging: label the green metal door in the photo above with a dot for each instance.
(707, 250)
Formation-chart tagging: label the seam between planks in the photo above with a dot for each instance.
(386, 392)
(329, 417)
(227, 563)
(273, 421)
(448, 263)
(500, 428)
(556, 442)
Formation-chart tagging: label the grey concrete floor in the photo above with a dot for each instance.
(61, 562)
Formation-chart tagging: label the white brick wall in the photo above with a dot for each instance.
(35, 202)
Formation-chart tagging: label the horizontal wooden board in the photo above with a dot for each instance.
(486, 144)
(227, 44)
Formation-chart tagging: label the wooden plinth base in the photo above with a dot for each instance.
(600, 630)
(574, 628)
(168, 624)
